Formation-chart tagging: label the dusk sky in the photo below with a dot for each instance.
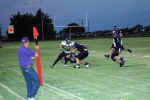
(102, 14)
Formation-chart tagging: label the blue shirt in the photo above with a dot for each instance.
(25, 56)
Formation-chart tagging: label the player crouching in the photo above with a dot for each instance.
(83, 53)
(65, 46)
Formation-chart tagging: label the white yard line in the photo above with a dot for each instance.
(137, 56)
(64, 92)
(1, 97)
(12, 92)
(79, 98)
(58, 89)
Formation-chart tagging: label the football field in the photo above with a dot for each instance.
(104, 80)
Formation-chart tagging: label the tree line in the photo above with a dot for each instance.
(23, 26)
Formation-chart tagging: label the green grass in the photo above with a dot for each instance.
(105, 80)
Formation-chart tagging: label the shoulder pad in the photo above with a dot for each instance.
(63, 43)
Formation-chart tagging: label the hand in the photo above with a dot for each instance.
(36, 47)
(32, 57)
(68, 56)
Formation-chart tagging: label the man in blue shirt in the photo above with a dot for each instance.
(25, 59)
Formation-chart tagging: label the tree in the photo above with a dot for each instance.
(23, 24)
(147, 29)
(136, 29)
(0, 32)
(0, 37)
(44, 25)
(73, 29)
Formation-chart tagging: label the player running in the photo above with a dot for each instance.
(66, 46)
(116, 50)
(116, 32)
(83, 53)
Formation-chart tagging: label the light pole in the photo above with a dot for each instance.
(41, 20)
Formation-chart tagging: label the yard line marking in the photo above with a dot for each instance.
(62, 91)
(1, 97)
(109, 76)
(87, 83)
(11, 91)
(56, 92)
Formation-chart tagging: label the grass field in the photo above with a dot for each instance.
(105, 80)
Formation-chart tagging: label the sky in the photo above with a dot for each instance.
(102, 14)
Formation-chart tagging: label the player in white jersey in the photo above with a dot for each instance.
(66, 47)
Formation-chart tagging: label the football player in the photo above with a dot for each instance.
(116, 50)
(65, 46)
(117, 35)
(83, 53)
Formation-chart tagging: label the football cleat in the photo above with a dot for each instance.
(77, 66)
(106, 55)
(31, 99)
(122, 63)
(88, 65)
(129, 50)
(51, 66)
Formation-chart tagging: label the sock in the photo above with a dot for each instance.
(86, 63)
(107, 55)
(78, 66)
(55, 62)
(121, 58)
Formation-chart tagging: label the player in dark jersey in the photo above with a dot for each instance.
(114, 55)
(117, 33)
(83, 53)
(122, 47)
(66, 46)
(116, 40)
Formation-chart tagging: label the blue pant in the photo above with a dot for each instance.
(32, 81)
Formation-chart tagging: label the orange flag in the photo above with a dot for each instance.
(39, 67)
(35, 33)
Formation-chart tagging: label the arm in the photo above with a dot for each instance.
(121, 34)
(34, 54)
(74, 50)
(36, 47)
(61, 47)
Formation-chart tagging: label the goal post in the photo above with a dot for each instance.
(83, 22)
